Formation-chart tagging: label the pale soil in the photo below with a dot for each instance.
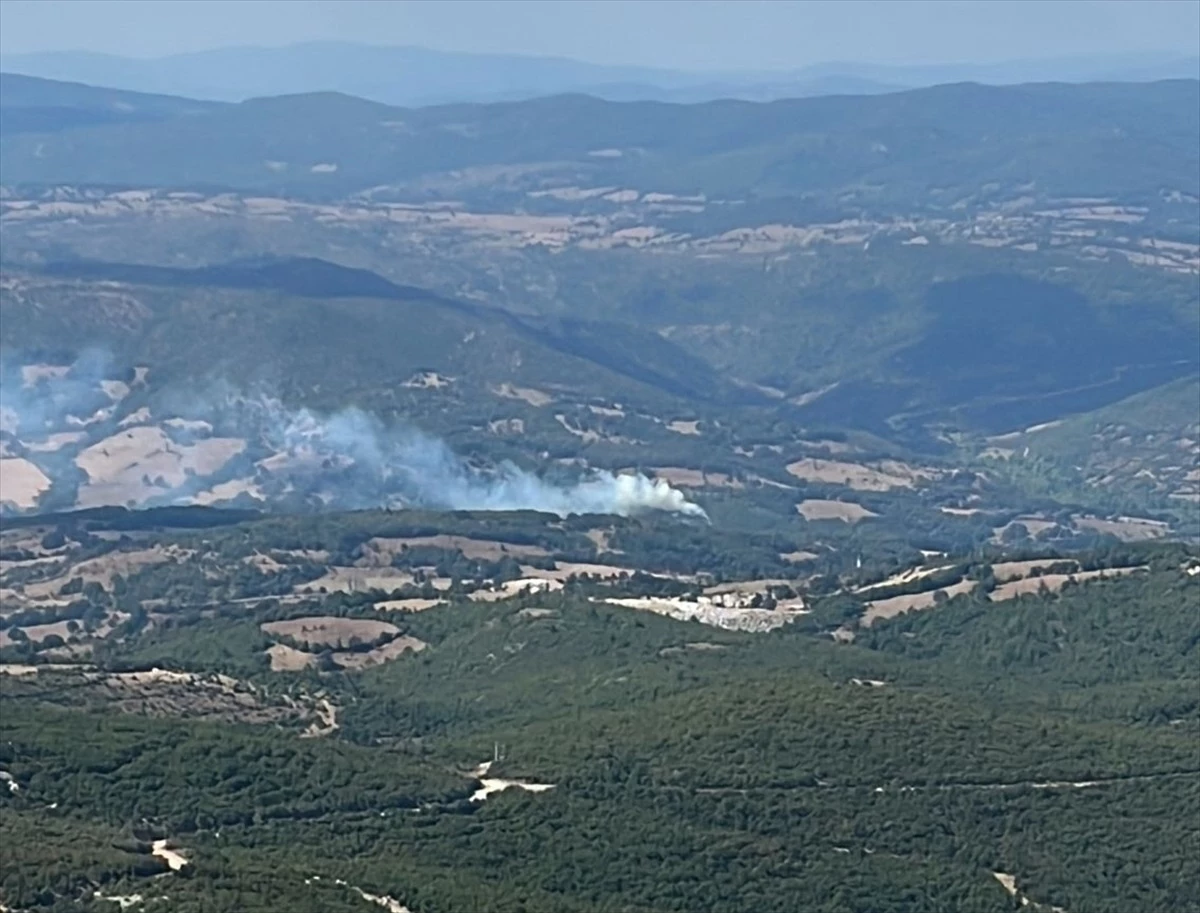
(328, 630)
(1053, 582)
(1004, 571)
(608, 411)
(428, 380)
(21, 482)
(746, 587)
(1035, 525)
(104, 568)
(603, 538)
(116, 390)
(38, 633)
(798, 557)
(31, 375)
(682, 427)
(898, 605)
(537, 613)
(288, 659)
(415, 604)
(138, 417)
(694, 478)
(860, 477)
(511, 588)
(528, 394)
(55, 442)
(379, 551)
(847, 511)
(126, 466)
(389, 651)
(388, 903)
(908, 576)
(1009, 883)
(357, 579)
(492, 785)
(1128, 529)
(507, 427)
(566, 569)
(706, 613)
(227, 491)
(163, 693)
(173, 858)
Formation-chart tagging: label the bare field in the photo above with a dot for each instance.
(407, 605)
(21, 482)
(356, 579)
(898, 605)
(289, 659)
(1128, 529)
(139, 463)
(908, 576)
(328, 630)
(380, 552)
(1004, 571)
(527, 394)
(799, 556)
(1053, 582)
(847, 511)
(694, 478)
(859, 476)
(391, 650)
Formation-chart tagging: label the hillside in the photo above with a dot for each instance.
(940, 145)
(32, 105)
(448, 711)
(407, 75)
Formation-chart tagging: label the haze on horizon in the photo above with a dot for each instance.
(714, 35)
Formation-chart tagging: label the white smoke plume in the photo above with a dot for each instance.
(349, 459)
(427, 472)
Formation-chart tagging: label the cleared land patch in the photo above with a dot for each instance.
(820, 509)
(1053, 582)
(898, 605)
(887, 475)
(21, 482)
(329, 631)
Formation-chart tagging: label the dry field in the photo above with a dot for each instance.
(139, 463)
(847, 511)
(527, 394)
(1128, 529)
(1004, 571)
(379, 552)
(898, 605)
(21, 482)
(694, 478)
(356, 579)
(908, 576)
(888, 475)
(1053, 582)
(328, 631)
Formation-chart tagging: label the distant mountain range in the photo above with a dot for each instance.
(911, 148)
(419, 76)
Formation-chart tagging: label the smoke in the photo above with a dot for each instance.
(292, 457)
(424, 471)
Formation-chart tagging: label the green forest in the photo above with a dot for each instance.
(1053, 738)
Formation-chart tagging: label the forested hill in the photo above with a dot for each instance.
(939, 143)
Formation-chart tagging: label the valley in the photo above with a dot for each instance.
(566, 505)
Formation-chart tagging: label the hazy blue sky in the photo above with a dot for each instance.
(700, 34)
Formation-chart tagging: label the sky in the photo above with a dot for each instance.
(681, 34)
